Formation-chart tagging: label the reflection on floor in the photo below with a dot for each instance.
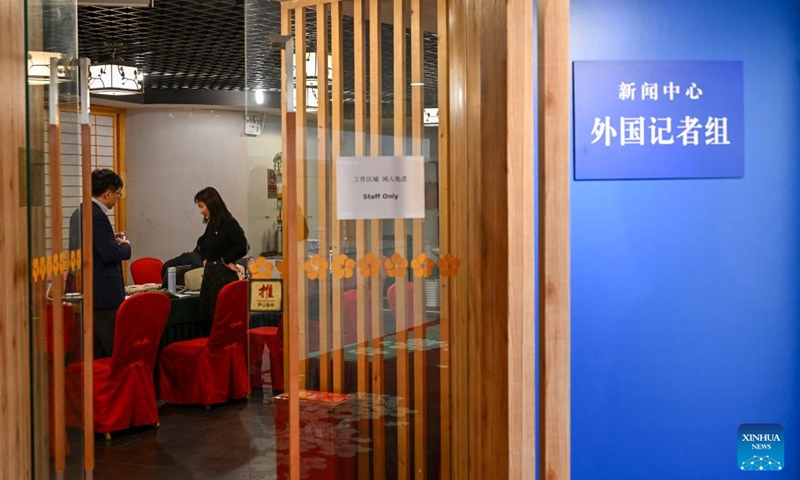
(235, 441)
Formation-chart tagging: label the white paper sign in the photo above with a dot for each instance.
(380, 187)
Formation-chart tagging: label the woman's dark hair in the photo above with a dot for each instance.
(103, 180)
(217, 211)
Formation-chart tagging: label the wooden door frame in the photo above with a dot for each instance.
(15, 395)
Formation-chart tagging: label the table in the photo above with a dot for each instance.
(184, 322)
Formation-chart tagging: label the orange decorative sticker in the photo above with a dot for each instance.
(261, 268)
(343, 266)
(315, 267)
(422, 265)
(35, 270)
(369, 266)
(396, 265)
(448, 265)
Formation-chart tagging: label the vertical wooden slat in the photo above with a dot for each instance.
(337, 126)
(554, 179)
(299, 186)
(87, 275)
(359, 60)
(291, 225)
(401, 288)
(420, 378)
(15, 392)
(56, 251)
(520, 199)
(444, 232)
(322, 193)
(375, 290)
(455, 204)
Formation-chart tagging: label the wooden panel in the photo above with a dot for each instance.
(337, 126)
(56, 249)
(400, 244)
(375, 290)
(322, 194)
(291, 225)
(417, 135)
(299, 184)
(359, 60)
(488, 243)
(455, 201)
(15, 414)
(87, 275)
(445, 239)
(519, 197)
(554, 179)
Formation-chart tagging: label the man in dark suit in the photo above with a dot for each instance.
(110, 249)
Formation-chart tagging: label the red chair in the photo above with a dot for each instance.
(211, 369)
(147, 270)
(391, 298)
(124, 394)
(350, 314)
(272, 339)
(71, 352)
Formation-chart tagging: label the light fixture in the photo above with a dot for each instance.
(115, 77)
(39, 68)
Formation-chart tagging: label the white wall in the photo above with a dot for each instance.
(171, 154)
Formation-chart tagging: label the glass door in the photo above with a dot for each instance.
(362, 248)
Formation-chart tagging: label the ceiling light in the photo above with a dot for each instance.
(115, 76)
(112, 78)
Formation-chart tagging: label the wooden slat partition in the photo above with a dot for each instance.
(554, 179)
(417, 136)
(409, 136)
(322, 193)
(291, 225)
(445, 239)
(337, 127)
(400, 243)
(376, 291)
(360, 114)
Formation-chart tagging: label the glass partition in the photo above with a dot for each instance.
(360, 257)
(54, 181)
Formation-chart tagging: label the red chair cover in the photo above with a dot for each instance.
(146, 270)
(272, 339)
(71, 352)
(211, 369)
(391, 298)
(124, 394)
(350, 314)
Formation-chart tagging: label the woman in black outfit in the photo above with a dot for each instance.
(220, 246)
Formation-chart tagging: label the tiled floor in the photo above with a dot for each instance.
(235, 441)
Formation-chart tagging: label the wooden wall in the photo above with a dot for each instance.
(14, 350)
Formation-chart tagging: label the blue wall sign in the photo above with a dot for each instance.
(658, 119)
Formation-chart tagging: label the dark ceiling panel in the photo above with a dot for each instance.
(200, 45)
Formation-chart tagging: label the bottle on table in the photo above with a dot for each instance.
(171, 273)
